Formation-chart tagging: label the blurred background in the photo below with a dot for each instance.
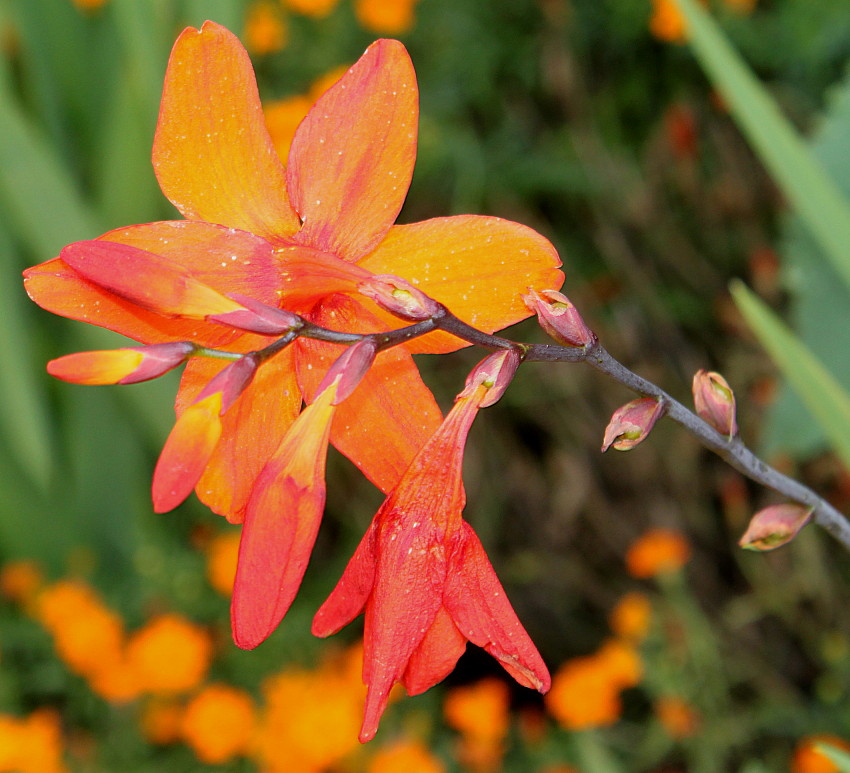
(589, 120)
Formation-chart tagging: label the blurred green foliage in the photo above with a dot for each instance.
(566, 115)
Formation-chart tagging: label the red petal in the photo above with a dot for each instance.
(212, 153)
(436, 656)
(281, 523)
(186, 453)
(352, 157)
(477, 602)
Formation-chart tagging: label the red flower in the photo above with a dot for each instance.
(423, 578)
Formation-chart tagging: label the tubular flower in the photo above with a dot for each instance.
(299, 237)
(421, 574)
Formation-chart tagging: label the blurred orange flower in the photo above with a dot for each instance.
(480, 713)
(405, 757)
(386, 17)
(222, 552)
(170, 654)
(658, 551)
(31, 744)
(89, 5)
(265, 28)
(116, 680)
(162, 720)
(315, 8)
(807, 759)
(678, 717)
(666, 23)
(631, 616)
(218, 723)
(20, 580)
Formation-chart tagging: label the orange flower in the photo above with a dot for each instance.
(20, 581)
(631, 616)
(89, 5)
(678, 717)
(386, 17)
(666, 22)
(265, 29)
(116, 680)
(807, 759)
(659, 551)
(170, 654)
(260, 237)
(405, 757)
(480, 713)
(221, 561)
(421, 575)
(218, 723)
(162, 720)
(315, 8)
(31, 744)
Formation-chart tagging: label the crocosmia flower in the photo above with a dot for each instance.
(421, 574)
(261, 237)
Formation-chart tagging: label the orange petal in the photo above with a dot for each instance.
(476, 266)
(225, 259)
(186, 453)
(280, 527)
(391, 403)
(212, 154)
(252, 429)
(352, 157)
(101, 367)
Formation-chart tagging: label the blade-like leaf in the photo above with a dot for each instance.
(801, 178)
(827, 402)
(839, 758)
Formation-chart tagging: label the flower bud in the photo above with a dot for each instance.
(258, 317)
(631, 423)
(349, 368)
(494, 372)
(559, 318)
(231, 382)
(775, 526)
(715, 402)
(120, 366)
(399, 297)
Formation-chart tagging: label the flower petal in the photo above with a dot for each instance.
(478, 267)
(252, 429)
(280, 527)
(352, 157)
(212, 153)
(228, 260)
(436, 656)
(475, 599)
(391, 403)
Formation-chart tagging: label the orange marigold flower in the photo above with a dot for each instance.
(20, 580)
(621, 662)
(405, 757)
(162, 720)
(479, 709)
(386, 17)
(170, 654)
(31, 744)
(116, 680)
(222, 553)
(658, 551)
(218, 723)
(807, 758)
(678, 717)
(265, 28)
(315, 8)
(631, 616)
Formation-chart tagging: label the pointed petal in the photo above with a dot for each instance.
(352, 157)
(101, 367)
(228, 260)
(348, 598)
(252, 429)
(391, 403)
(212, 153)
(280, 527)
(478, 267)
(477, 602)
(436, 656)
(186, 453)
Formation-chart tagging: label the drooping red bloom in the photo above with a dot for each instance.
(422, 576)
(300, 238)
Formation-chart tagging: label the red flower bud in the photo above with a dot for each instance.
(559, 318)
(631, 423)
(775, 526)
(258, 317)
(120, 366)
(399, 297)
(349, 369)
(494, 372)
(715, 402)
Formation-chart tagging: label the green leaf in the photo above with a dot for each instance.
(826, 401)
(803, 181)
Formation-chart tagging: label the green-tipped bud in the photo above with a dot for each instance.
(715, 402)
(775, 526)
(631, 423)
(559, 318)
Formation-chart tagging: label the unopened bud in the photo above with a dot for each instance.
(120, 366)
(631, 423)
(494, 372)
(559, 318)
(231, 382)
(258, 317)
(349, 368)
(775, 526)
(715, 402)
(399, 297)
